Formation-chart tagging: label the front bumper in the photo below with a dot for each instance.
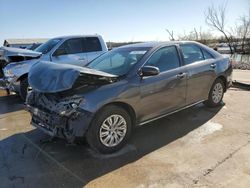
(229, 77)
(68, 127)
(9, 84)
(49, 123)
(3, 84)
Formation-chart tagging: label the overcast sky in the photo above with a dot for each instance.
(116, 20)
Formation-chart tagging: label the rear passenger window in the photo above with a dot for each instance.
(92, 44)
(165, 59)
(72, 46)
(191, 53)
(207, 55)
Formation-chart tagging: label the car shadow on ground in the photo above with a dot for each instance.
(28, 161)
(10, 103)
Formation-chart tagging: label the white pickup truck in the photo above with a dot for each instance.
(76, 50)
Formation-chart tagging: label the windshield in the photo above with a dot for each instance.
(33, 46)
(118, 62)
(47, 46)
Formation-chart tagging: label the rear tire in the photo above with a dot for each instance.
(109, 130)
(216, 93)
(24, 84)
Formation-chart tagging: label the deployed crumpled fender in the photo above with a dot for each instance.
(49, 77)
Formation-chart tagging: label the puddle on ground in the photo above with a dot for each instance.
(199, 134)
(126, 149)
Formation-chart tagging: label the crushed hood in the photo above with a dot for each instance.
(17, 54)
(49, 77)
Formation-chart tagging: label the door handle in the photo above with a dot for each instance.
(181, 75)
(213, 65)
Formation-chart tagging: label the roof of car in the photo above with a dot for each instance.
(162, 44)
(155, 44)
(76, 36)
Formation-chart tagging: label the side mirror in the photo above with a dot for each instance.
(59, 51)
(149, 71)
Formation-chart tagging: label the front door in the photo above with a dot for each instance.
(71, 52)
(165, 92)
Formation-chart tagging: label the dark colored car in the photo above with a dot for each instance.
(128, 86)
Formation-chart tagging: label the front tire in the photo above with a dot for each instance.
(216, 93)
(24, 84)
(109, 130)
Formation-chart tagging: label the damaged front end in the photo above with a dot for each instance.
(9, 55)
(58, 116)
(57, 101)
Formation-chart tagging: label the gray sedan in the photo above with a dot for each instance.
(131, 85)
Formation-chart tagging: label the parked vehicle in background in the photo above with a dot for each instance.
(75, 50)
(223, 48)
(128, 86)
(33, 46)
(10, 54)
(23, 42)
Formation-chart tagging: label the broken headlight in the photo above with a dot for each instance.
(69, 106)
(8, 73)
(74, 105)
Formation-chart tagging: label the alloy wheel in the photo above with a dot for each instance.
(217, 93)
(113, 130)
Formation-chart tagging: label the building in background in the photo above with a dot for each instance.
(23, 43)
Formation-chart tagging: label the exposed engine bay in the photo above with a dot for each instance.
(57, 97)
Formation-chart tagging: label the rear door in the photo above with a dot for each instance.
(165, 92)
(71, 52)
(200, 66)
(92, 47)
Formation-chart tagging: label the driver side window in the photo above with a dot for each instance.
(71, 46)
(165, 59)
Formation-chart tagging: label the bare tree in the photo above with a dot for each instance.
(171, 35)
(244, 29)
(196, 34)
(215, 17)
(201, 36)
(187, 36)
(241, 32)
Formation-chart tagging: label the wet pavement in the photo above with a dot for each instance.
(197, 147)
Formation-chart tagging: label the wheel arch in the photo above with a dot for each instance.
(221, 77)
(224, 80)
(124, 106)
(22, 77)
